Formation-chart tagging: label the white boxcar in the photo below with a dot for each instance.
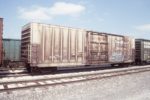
(50, 45)
(46, 45)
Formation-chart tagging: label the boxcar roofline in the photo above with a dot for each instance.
(75, 28)
(8, 39)
(53, 25)
(142, 40)
(106, 33)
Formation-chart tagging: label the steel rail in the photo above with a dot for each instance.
(80, 78)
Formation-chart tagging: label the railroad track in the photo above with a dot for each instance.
(15, 75)
(11, 73)
(61, 80)
(24, 72)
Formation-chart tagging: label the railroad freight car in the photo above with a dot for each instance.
(1, 33)
(142, 51)
(11, 52)
(109, 48)
(44, 45)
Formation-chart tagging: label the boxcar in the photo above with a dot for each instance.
(142, 51)
(44, 45)
(51, 45)
(11, 51)
(1, 33)
(110, 48)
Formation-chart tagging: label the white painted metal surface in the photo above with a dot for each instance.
(50, 45)
(45, 45)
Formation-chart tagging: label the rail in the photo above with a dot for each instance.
(26, 84)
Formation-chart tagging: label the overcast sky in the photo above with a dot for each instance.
(127, 17)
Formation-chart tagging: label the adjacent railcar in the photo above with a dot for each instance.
(110, 48)
(44, 45)
(11, 51)
(142, 51)
(1, 33)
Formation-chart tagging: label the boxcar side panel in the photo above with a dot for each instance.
(56, 46)
(138, 53)
(109, 48)
(142, 50)
(11, 49)
(121, 49)
(97, 48)
(146, 54)
(115, 45)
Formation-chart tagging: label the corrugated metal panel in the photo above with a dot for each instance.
(1, 33)
(97, 47)
(11, 49)
(142, 50)
(116, 53)
(52, 45)
(25, 42)
(109, 48)
(146, 51)
(121, 49)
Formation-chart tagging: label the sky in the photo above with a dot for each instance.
(124, 17)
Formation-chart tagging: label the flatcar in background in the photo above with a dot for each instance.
(44, 45)
(142, 51)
